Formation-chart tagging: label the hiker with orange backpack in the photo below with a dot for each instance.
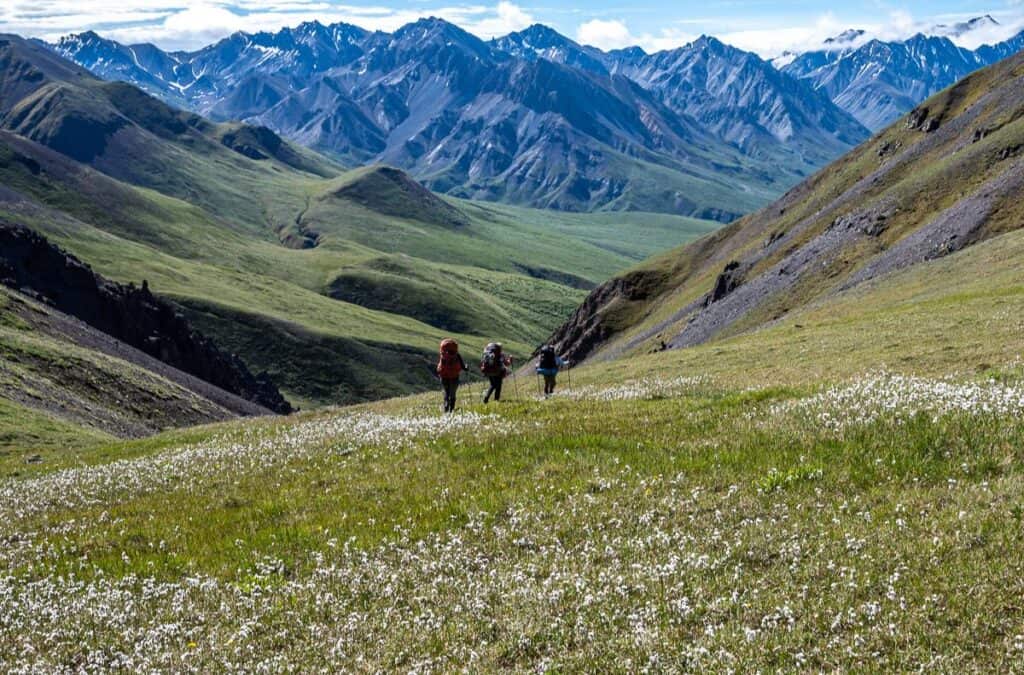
(449, 367)
(496, 366)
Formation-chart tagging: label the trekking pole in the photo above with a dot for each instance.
(515, 380)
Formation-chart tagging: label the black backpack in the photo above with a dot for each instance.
(547, 359)
(491, 362)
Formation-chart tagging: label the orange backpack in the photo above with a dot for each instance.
(449, 365)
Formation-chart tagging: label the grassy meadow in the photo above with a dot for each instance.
(841, 491)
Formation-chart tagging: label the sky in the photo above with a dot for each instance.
(768, 27)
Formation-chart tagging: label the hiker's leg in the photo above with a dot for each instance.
(449, 394)
(490, 390)
(496, 387)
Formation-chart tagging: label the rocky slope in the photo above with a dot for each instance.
(943, 178)
(746, 101)
(133, 316)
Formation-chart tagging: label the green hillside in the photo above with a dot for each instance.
(63, 384)
(942, 179)
(338, 284)
(796, 499)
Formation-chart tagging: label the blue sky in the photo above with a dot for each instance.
(765, 26)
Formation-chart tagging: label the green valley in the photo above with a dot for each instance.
(338, 284)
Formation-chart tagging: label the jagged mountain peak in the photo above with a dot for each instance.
(532, 116)
(433, 27)
(540, 41)
(628, 53)
(880, 80)
(710, 42)
(961, 28)
(847, 36)
(746, 101)
(539, 31)
(430, 36)
(81, 38)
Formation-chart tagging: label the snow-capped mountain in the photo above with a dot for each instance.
(532, 117)
(744, 100)
(877, 81)
(962, 28)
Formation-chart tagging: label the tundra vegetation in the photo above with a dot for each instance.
(841, 490)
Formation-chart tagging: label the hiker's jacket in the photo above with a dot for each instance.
(559, 363)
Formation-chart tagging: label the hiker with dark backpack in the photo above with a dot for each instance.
(449, 367)
(548, 366)
(496, 366)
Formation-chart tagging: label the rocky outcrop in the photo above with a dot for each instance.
(31, 264)
(727, 282)
(603, 312)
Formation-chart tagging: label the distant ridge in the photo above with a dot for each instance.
(503, 120)
(878, 81)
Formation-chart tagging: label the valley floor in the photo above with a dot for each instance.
(840, 491)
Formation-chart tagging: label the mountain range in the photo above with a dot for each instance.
(943, 179)
(532, 118)
(879, 81)
(706, 129)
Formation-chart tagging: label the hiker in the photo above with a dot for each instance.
(496, 366)
(548, 366)
(449, 367)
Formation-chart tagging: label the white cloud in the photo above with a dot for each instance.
(506, 18)
(173, 24)
(605, 34)
(615, 34)
(769, 42)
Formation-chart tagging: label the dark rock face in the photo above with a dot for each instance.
(727, 282)
(31, 264)
(589, 328)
